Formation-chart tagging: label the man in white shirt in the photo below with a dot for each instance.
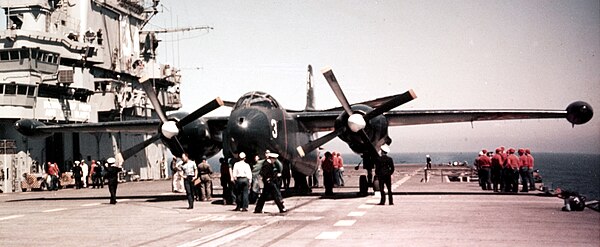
(241, 174)
(190, 171)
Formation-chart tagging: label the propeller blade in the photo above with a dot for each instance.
(337, 90)
(179, 146)
(174, 145)
(147, 86)
(392, 103)
(367, 141)
(308, 147)
(138, 147)
(208, 107)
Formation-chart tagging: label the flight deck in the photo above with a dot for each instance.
(433, 213)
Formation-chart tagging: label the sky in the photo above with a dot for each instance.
(453, 54)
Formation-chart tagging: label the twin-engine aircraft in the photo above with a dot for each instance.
(258, 123)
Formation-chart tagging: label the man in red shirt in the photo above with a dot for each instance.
(53, 171)
(512, 168)
(485, 165)
(530, 164)
(497, 165)
(524, 170)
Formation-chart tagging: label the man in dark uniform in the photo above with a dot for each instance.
(112, 174)
(226, 182)
(428, 160)
(77, 173)
(384, 170)
(270, 173)
(327, 167)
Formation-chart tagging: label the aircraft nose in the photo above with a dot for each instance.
(249, 125)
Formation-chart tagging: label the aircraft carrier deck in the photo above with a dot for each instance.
(437, 213)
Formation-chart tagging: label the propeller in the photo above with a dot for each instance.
(136, 148)
(356, 121)
(169, 128)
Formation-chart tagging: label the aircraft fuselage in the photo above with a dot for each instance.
(257, 124)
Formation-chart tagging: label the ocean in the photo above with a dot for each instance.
(577, 172)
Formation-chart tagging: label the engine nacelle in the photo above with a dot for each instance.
(376, 129)
(30, 128)
(579, 112)
(196, 138)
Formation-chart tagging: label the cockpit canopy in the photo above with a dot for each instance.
(256, 99)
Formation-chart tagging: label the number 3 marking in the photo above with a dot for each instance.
(274, 130)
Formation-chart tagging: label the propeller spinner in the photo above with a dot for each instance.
(356, 121)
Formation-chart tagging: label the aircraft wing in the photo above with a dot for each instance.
(376, 103)
(417, 117)
(324, 120)
(127, 126)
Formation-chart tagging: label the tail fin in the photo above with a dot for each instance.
(310, 91)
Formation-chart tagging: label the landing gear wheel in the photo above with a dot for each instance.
(363, 186)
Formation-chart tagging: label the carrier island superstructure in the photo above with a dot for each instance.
(73, 61)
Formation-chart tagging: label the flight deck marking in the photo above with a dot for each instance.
(12, 217)
(229, 234)
(357, 214)
(54, 210)
(345, 223)
(90, 204)
(373, 201)
(366, 206)
(206, 218)
(329, 235)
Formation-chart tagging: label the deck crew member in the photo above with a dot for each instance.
(191, 173)
(77, 173)
(177, 183)
(485, 165)
(53, 171)
(112, 174)
(270, 173)
(505, 169)
(524, 170)
(242, 175)
(512, 169)
(85, 169)
(497, 163)
(340, 168)
(428, 160)
(530, 164)
(204, 172)
(327, 167)
(226, 182)
(384, 170)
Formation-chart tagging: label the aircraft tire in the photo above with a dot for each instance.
(363, 185)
